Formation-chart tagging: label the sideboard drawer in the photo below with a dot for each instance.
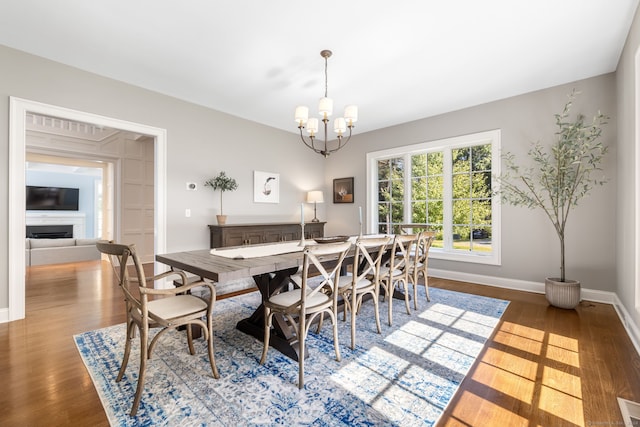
(251, 234)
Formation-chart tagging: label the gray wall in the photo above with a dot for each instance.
(530, 248)
(200, 141)
(627, 78)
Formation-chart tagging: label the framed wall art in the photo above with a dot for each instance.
(266, 187)
(343, 190)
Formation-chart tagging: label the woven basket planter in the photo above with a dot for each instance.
(562, 294)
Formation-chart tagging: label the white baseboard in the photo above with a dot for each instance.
(536, 287)
(627, 322)
(4, 315)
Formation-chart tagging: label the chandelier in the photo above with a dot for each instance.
(325, 109)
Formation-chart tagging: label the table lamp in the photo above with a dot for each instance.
(315, 197)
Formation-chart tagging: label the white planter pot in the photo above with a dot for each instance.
(562, 294)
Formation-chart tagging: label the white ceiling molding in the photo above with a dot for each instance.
(68, 128)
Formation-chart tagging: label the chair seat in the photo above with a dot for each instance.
(289, 298)
(384, 271)
(177, 306)
(345, 283)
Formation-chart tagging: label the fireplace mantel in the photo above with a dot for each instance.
(77, 219)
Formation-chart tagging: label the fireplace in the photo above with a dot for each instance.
(49, 231)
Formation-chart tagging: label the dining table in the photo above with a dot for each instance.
(270, 265)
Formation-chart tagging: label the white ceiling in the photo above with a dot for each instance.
(398, 61)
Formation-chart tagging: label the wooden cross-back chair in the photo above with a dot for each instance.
(312, 299)
(363, 280)
(149, 308)
(418, 264)
(396, 273)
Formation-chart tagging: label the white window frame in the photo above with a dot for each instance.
(494, 138)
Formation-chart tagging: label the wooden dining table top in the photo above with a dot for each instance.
(205, 263)
(220, 269)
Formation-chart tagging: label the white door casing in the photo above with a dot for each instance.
(18, 109)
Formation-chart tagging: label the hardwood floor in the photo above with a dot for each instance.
(543, 367)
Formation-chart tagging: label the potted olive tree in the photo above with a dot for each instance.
(223, 183)
(558, 177)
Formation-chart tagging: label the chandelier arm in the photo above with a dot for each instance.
(340, 143)
(312, 146)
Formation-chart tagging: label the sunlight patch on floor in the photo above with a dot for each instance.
(505, 382)
(518, 365)
(561, 405)
(523, 331)
(562, 381)
(390, 392)
(553, 387)
(518, 342)
(442, 313)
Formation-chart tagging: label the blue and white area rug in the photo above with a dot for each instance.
(406, 376)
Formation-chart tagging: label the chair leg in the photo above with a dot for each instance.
(127, 350)
(426, 286)
(345, 298)
(376, 307)
(336, 345)
(143, 364)
(212, 358)
(415, 289)
(406, 295)
(320, 323)
(353, 320)
(267, 334)
(302, 328)
(192, 350)
(389, 296)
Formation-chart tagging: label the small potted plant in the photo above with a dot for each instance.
(559, 177)
(223, 183)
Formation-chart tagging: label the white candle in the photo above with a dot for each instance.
(302, 213)
(360, 209)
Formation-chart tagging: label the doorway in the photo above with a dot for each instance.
(19, 108)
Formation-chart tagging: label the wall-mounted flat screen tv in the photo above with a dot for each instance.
(52, 198)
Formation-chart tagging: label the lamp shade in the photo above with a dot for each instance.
(312, 126)
(351, 113)
(302, 114)
(325, 107)
(315, 196)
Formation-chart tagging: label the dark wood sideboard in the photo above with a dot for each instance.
(251, 234)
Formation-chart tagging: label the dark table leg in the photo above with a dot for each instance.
(283, 337)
